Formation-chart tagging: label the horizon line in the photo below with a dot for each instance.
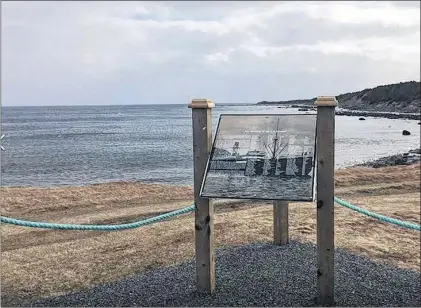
(108, 105)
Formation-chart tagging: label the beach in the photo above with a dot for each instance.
(40, 263)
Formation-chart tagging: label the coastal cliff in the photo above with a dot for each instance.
(403, 97)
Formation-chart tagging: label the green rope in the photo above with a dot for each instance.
(136, 224)
(383, 218)
(132, 225)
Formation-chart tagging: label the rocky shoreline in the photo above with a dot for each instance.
(362, 113)
(388, 115)
(392, 99)
(409, 158)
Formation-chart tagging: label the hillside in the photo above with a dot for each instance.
(398, 97)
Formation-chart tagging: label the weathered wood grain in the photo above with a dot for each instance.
(202, 143)
(280, 222)
(325, 150)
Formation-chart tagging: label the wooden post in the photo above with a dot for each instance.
(280, 222)
(202, 145)
(325, 154)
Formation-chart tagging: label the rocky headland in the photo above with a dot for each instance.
(394, 101)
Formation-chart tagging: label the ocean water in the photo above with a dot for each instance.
(49, 146)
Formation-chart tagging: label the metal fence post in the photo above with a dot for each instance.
(202, 145)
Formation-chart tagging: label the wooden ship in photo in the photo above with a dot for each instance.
(274, 161)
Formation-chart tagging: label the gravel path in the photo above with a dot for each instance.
(258, 275)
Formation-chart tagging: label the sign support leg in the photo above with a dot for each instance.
(202, 145)
(280, 222)
(325, 150)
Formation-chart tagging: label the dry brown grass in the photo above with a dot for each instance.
(363, 175)
(38, 262)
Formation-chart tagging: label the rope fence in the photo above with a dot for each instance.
(148, 221)
(132, 225)
(383, 218)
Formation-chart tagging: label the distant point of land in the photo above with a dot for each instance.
(403, 97)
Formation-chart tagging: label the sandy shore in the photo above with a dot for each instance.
(38, 263)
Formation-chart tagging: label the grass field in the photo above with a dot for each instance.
(38, 263)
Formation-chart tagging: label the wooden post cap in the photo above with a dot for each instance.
(201, 103)
(329, 101)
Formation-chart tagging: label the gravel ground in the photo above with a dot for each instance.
(258, 275)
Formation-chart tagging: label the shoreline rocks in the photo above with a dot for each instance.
(402, 97)
(388, 115)
(361, 113)
(409, 158)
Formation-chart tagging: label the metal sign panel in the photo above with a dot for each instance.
(266, 157)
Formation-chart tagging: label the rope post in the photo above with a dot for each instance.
(202, 145)
(280, 222)
(325, 152)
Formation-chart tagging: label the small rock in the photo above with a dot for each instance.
(361, 119)
(406, 133)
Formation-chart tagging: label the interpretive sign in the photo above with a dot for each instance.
(267, 157)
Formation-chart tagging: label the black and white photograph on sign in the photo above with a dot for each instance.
(267, 157)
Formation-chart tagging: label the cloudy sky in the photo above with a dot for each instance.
(81, 53)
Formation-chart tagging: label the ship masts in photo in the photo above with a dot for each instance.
(278, 147)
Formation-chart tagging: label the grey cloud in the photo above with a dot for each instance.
(189, 42)
(287, 79)
(410, 4)
(211, 10)
(103, 53)
(298, 28)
